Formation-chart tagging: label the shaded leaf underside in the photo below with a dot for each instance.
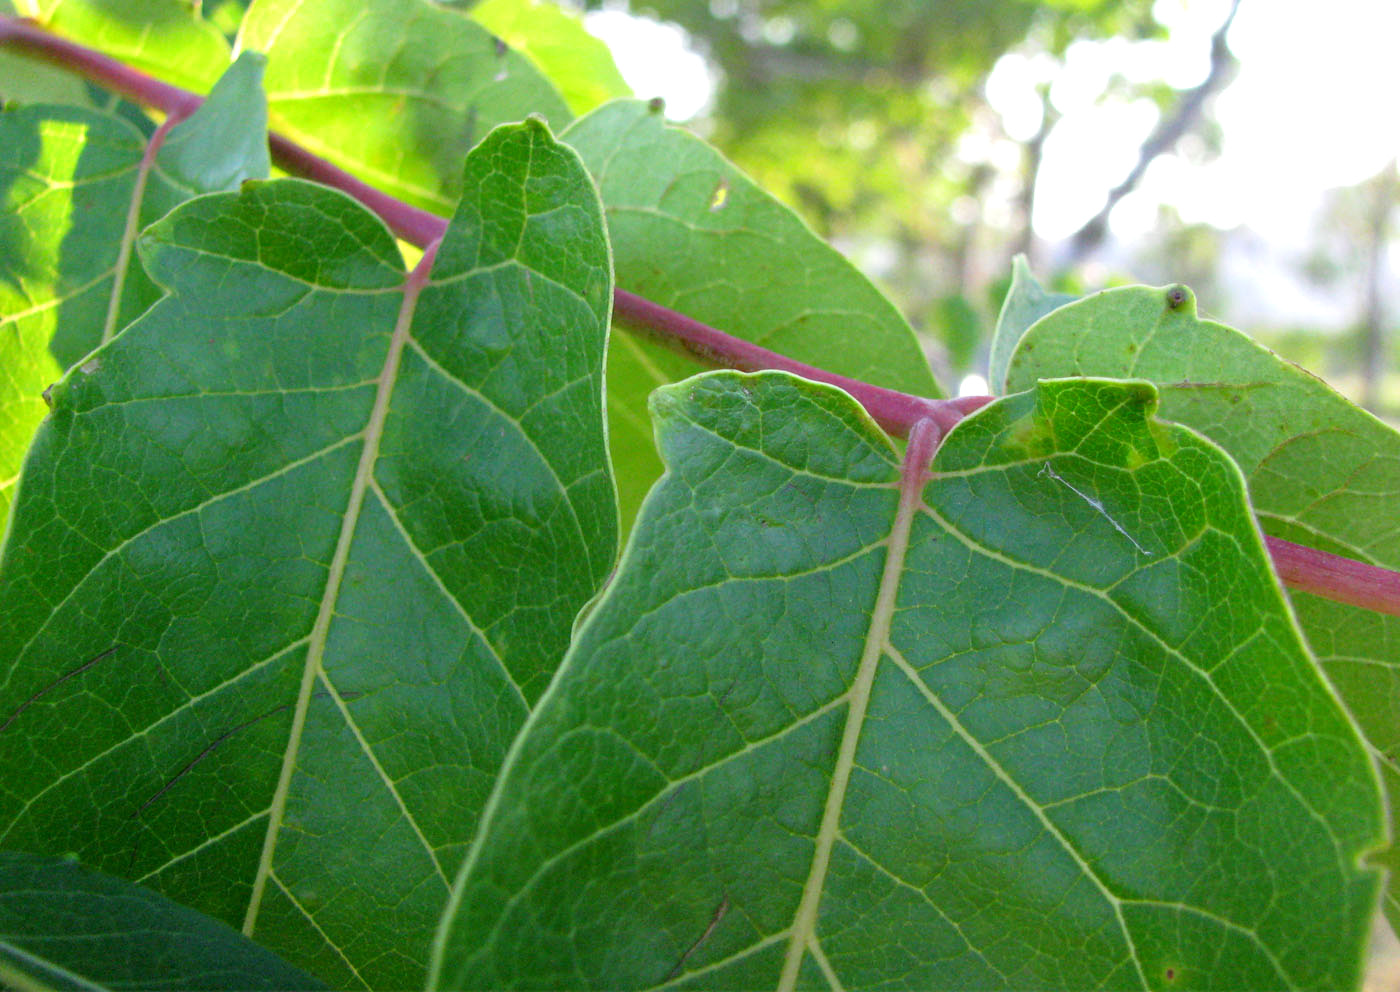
(314, 542)
(65, 927)
(1090, 750)
(1321, 471)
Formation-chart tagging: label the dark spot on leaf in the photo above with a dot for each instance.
(719, 915)
(1171, 974)
(48, 395)
(71, 673)
(1177, 297)
(656, 105)
(501, 47)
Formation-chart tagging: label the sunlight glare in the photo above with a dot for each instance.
(972, 385)
(656, 59)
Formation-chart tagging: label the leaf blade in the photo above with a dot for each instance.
(67, 927)
(1045, 825)
(1320, 471)
(395, 91)
(80, 179)
(691, 232)
(348, 675)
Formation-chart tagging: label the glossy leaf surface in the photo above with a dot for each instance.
(297, 550)
(74, 194)
(1321, 471)
(395, 91)
(65, 927)
(555, 39)
(1042, 720)
(693, 233)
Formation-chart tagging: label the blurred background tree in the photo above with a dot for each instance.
(915, 134)
(872, 119)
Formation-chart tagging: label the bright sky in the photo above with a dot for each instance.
(1311, 108)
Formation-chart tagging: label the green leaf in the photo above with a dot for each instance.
(556, 41)
(693, 233)
(395, 91)
(225, 141)
(1040, 721)
(1321, 471)
(1026, 302)
(75, 194)
(65, 927)
(297, 550)
(165, 38)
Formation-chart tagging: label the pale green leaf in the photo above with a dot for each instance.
(73, 197)
(1026, 302)
(165, 38)
(63, 926)
(555, 39)
(693, 233)
(1321, 471)
(296, 551)
(395, 91)
(1040, 721)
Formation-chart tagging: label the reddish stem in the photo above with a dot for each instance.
(1302, 568)
(896, 412)
(1334, 577)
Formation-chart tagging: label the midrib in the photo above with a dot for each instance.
(913, 473)
(315, 651)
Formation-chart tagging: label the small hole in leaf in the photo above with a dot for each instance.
(719, 196)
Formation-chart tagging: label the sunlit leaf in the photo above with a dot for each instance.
(297, 550)
(1042, 720)
(166, 38)
(395, 91)
(693, 233)
(74, 196)
(555, 39)
(1321, 471)
(65, 927)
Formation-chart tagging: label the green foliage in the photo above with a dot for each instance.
(575, 61)
(166, 38)
(396, 91)
(337, 530)
(692, 232)
(63, 926)
(312, 618)
(1044, 716)
(1320, 471)
(75, 195)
